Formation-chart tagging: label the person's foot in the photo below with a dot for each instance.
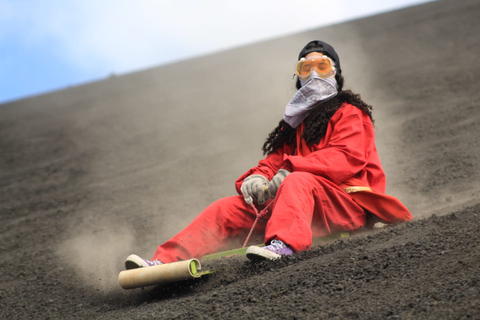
(275, 250)
(133, 261)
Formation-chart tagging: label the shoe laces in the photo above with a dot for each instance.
(277, 244)
(154, 262)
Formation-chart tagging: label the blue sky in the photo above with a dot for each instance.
(48, 45)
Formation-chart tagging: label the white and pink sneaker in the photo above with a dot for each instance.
(275, 250)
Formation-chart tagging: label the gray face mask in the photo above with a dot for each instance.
(314, 89)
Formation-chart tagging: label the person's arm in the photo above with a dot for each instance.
(344, 152)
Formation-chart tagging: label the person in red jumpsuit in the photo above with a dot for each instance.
(321, 175)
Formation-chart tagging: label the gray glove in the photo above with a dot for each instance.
(255, 187)
(276, 181)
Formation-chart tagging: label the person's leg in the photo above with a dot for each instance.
(307, 205)
(211, 231)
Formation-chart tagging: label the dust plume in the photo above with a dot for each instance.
(94, 256)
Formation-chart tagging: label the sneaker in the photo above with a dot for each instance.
(133, 261)
(275, 250)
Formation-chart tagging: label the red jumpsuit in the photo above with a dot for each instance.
(312, 201)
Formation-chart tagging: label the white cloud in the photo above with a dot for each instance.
(124, 35)
(127, 35)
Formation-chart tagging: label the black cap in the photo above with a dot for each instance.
(320, 46)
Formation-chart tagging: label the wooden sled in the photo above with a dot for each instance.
(187, 269)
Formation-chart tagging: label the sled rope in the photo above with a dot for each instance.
(259, 216)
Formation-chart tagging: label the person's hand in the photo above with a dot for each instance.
(276, 181)
(255, 187)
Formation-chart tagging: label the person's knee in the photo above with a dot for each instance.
(298, 177)
(295, 182)
(303, 181)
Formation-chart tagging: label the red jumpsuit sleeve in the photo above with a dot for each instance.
(344, 150)
(267, 167)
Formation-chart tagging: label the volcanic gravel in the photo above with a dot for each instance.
(92, 173)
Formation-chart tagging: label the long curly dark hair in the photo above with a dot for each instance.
(316, 123)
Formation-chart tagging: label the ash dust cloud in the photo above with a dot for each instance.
(94, 256)
(365, 72)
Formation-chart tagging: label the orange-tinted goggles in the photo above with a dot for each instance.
(323, 66)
